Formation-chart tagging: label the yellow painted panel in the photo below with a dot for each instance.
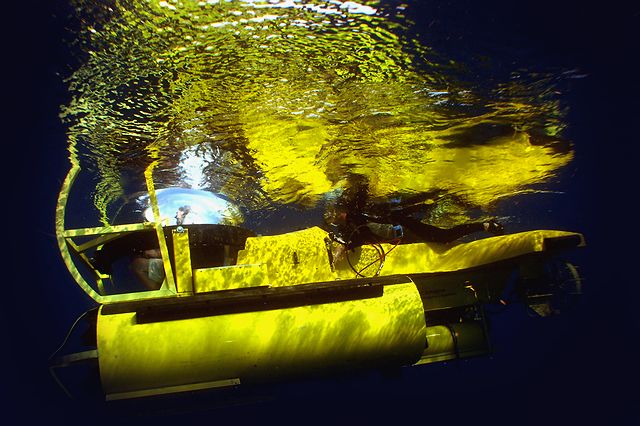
(295, 258)
(259, 345)
(434, 257)
(229, 277)
(182, 256)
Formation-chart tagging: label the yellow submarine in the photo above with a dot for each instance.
(235, 308)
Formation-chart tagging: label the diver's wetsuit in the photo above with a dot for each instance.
(417, 231)
(364, 222)
(363, 229)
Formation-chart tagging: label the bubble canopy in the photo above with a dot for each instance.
(186, 206)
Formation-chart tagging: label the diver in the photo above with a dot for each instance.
(354, 221)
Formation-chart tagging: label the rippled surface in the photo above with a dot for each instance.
(277, 104)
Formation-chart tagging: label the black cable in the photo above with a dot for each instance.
(381, 254)
(75, 323)
(352, 267)
(55, 353)
(347, 250)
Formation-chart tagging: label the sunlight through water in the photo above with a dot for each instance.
(281, 103)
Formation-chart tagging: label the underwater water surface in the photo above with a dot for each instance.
(521, 112)
(280, 105)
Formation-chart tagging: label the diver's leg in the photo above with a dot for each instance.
(411, 210)
(432, 233)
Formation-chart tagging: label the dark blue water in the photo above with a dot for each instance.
(579, 368)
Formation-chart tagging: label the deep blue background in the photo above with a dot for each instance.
(581, 368)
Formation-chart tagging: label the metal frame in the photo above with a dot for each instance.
(70, 249)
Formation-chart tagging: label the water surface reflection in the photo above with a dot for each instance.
(279, 104)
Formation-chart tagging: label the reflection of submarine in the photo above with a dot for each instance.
(236, 308)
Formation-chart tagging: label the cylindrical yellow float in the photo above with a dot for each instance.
(166, 356)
